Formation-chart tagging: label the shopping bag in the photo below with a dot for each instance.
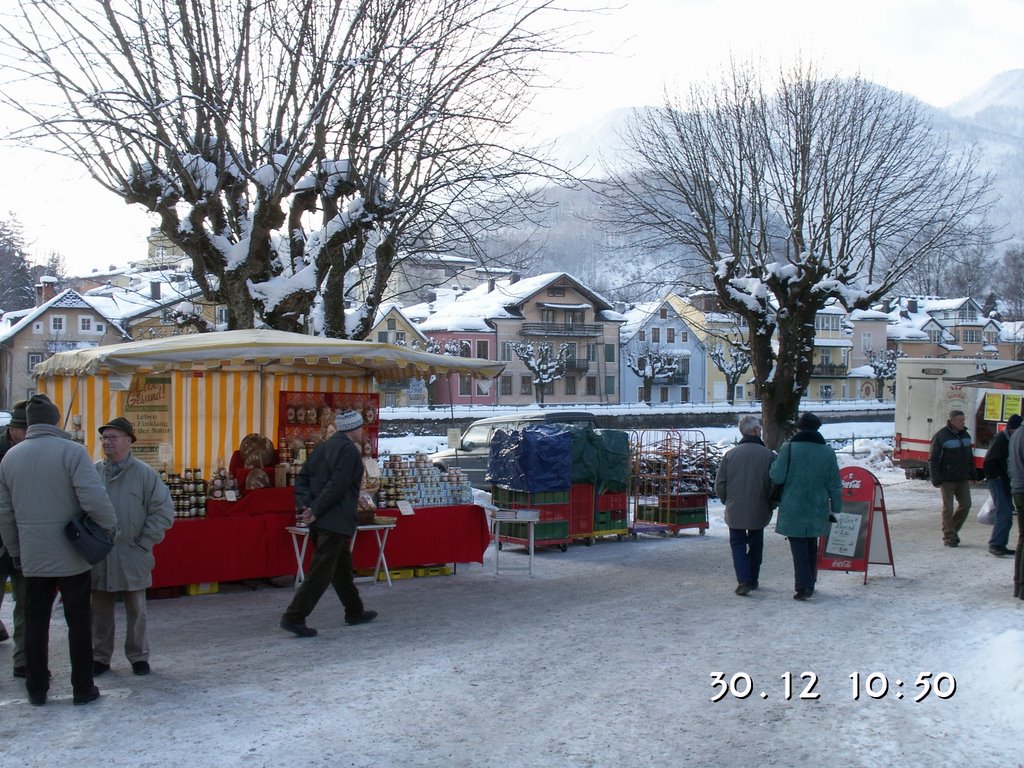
(987, 513)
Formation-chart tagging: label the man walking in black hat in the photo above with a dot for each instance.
(326, 498)
(45, 481)
(145, 511)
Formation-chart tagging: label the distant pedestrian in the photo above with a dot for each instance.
(145, 511)
(811, 497)
(951, 465)
(13, 434)
(45, 481)
(742, 484)
(997, 478)
(326, 498)
(1015, 464)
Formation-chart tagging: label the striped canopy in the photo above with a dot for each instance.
(270, 350)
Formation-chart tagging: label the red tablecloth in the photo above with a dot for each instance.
(432, 536)
(247, 540)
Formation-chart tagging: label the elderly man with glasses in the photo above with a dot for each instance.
(144, 513)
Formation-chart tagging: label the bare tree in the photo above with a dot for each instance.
(817, 188)
(546, 365)
(650, 362)
(1010, 279)
(293, 149)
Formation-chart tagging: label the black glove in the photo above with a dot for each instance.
(832, 518)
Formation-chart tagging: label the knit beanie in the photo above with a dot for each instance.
(1012, 423)
(41, 411)
(18, 418)
(346, 421)
(808, 422)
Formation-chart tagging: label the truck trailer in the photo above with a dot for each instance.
(927, 389)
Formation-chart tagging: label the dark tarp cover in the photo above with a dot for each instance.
(613, 471)
(535, 459)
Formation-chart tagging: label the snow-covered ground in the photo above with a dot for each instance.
(605, 657)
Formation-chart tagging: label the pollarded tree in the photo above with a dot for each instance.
(649, 362)
(546, 365)
(883, 364)
(733, 361)
(291, 148)
(816, 188)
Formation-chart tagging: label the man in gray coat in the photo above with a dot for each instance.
(45, 481)
(145, 511)
(742, 484)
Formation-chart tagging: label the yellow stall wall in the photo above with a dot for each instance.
(211, 410)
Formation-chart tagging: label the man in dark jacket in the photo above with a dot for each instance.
(326, 498)
(14, 434)
(742, 484)
(951, 462)
(997, 477)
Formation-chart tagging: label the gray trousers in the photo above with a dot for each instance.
(136, 644)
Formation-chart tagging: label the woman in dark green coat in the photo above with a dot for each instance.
(811, 495)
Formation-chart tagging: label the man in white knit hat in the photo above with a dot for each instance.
(326, 498)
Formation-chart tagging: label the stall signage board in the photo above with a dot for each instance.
(148, 407)
(860, 534)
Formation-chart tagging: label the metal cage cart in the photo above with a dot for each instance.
(669, 481)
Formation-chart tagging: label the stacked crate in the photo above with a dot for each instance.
(610, 514)
(553, 526)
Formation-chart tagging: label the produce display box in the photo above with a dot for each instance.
(206, 588)
(503, 497)
(433, 570)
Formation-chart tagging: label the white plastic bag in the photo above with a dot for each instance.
(987, 513)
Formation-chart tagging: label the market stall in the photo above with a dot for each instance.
(194, 399)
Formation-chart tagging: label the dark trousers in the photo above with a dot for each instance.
(1018, 558)
(747, 551)
(39, 594)
(18, 589)
(999, 490)
(805, 561)
(331, 566)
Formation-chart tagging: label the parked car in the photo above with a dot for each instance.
(474, 448)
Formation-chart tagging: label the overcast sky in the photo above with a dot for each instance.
(937, 50)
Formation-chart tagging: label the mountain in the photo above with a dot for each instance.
(991, 119)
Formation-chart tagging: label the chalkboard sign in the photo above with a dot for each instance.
(860, 529)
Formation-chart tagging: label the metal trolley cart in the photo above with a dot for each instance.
(669, 481)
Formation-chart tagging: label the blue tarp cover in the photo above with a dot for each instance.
(535, 459)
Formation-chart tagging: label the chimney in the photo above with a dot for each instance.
(46, 289)
(912, 306)
(154, 290)
(490, 284)
(513, 278)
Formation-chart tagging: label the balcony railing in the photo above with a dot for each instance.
(562, 329)
(829, 369)
(576, 365)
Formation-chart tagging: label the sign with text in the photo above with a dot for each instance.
(147, 406)
(860, 529)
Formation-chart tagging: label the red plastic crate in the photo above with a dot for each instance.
(612, 502)
(548, 512)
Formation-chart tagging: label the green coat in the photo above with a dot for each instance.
(812, 491)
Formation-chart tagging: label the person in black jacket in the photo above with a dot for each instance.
(326, 499)
(997, 477)
(951, 461)
(12, 435)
